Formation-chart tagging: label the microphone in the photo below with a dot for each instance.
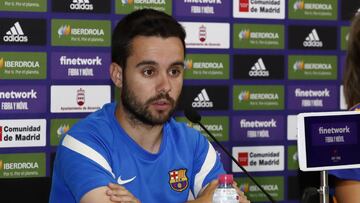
(194, 117)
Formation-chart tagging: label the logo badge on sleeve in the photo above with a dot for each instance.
(178, 180)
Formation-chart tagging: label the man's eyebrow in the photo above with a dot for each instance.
(146, 63)
(142, 63)
(178, 63)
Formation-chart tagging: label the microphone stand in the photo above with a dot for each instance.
(324, 188)
(234, 160)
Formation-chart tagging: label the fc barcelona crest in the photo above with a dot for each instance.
(178, 180)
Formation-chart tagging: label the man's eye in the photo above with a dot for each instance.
(148, 72)
(174, 72)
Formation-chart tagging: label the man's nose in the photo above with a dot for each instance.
(164, 83)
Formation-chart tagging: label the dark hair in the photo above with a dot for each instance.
(351, 78)
(145, 22)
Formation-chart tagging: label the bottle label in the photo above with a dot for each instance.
(225, 195)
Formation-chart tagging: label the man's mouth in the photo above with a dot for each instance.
(161, 104)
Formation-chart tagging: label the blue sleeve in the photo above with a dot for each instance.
(83, 163)
(207, 164)
(347, 174)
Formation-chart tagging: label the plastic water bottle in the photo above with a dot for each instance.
(225, 192)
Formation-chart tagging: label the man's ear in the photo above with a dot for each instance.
(116, 74)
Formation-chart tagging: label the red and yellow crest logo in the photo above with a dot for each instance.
(178, 180)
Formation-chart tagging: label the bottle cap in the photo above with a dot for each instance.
(226, 178)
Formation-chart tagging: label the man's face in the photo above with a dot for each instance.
(153, 78)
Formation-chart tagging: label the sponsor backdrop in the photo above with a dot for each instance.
(251, 67)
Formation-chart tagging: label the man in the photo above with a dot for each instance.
(133, 151)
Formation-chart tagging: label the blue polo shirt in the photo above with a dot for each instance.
(97, 151)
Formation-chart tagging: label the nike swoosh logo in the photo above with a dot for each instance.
(123, 182)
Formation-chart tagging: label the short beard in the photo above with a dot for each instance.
(140, 112)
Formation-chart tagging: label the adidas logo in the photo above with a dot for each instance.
(202, 100)
(312, 40)
(259, 69)
(81, 5)
(15, 34)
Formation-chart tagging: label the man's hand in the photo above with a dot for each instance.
(119, 194)
(208, 193)
(242, 197)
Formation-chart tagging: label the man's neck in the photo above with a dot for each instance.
(147, 136)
